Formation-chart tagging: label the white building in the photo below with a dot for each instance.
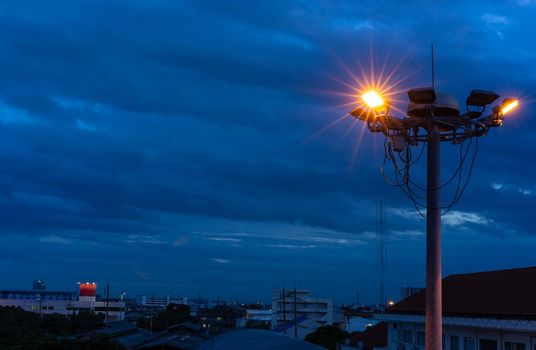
(64, 303)
(259, 315)
(161, 301)
(493, 310)
(296, 313)
(258, 318)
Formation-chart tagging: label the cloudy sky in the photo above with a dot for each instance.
(178, 147)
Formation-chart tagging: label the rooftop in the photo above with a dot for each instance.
(245, 339)
(499, 294)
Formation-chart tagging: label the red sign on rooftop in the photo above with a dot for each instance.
(88, 289)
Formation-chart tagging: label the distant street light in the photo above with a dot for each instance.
(432, 117)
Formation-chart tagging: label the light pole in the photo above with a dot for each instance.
(432, 117)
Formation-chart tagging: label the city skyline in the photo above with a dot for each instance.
(177, 148)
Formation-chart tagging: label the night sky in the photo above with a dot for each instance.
(178, 147)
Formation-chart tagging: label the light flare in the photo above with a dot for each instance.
(373, 99)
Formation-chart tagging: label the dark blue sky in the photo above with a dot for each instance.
(179, 146)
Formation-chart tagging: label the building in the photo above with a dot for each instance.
(160, 302)
(197, 304)
(64, 302)
(372, 338)
(37, 295)
(220, 318)
(258, 318)
(39, 285)
(186, 336)
(493, 310)
(255, 318)
(295, 313)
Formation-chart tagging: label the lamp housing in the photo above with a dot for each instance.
(359, 113)
(422, 96)
(480, 98)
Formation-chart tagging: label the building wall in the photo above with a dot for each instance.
(458, 338)
(41, 306)
(116, 310)
(161, 301)
(38, 295)
(319, 310)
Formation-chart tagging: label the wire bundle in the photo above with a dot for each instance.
(403, 162)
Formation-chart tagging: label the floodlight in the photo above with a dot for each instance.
(359, 113)
(508, 105)
(422, 95)
(480, 98)
(373, 99)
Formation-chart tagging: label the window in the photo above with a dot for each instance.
(468, 343)
(508, 345)
(421, 338)
(407, 336)
(394, 334)
(454, 342)
(488, 344)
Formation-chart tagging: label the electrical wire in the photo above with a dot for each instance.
(415, 192)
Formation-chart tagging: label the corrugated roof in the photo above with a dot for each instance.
(135, 339)
(174, 342)
(498, 294)
(255, 339)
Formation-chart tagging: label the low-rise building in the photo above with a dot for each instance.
(161, 301)
(256, 318)
(493, 310)
(220, 318)
(64, 302)
(296, 313)
(39, 285)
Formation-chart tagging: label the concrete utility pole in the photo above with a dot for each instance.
(434, 336)
(432, 117)
(381, 237)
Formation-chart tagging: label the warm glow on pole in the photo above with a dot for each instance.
(509, 105)
(373, 99)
